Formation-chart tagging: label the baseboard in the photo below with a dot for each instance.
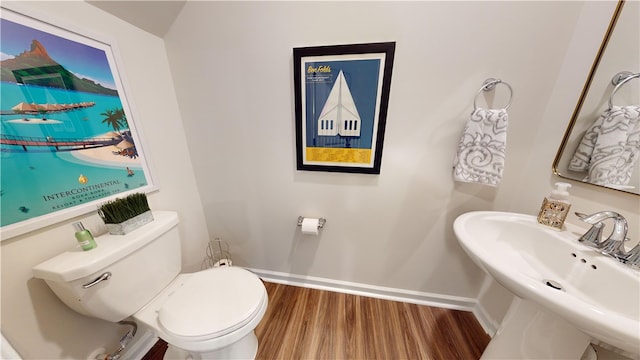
(137, 349)
(380, 292)
(488, 323)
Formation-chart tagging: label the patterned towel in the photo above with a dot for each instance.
(610, 147)
(482, 148)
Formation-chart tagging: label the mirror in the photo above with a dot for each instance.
(601, 145)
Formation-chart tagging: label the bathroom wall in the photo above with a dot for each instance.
(34, 321)
(546, 135)
(392, 230)
(215, 103)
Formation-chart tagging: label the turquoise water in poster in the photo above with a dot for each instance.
(64, 136)
(41, 179)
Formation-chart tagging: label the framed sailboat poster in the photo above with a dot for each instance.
(342, 95)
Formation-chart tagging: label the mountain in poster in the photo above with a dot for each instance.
(36, 66)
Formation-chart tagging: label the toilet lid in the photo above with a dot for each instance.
(212, 303)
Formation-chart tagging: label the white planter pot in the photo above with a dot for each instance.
(131, 224)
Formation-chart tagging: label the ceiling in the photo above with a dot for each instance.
(155, 17)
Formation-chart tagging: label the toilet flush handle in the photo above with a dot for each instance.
(100, 278)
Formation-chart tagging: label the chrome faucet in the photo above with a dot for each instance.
(614, 244)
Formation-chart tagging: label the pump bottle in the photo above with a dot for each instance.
(84, 237)
(555, 207)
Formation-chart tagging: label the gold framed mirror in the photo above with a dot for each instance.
(600, 146)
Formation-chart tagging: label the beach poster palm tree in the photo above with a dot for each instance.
(67, 136)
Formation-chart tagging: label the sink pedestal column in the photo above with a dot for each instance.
(529, 332)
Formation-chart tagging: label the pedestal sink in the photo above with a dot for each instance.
(566, 293)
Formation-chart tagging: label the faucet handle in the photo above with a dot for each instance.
(632, 258)
(594, 234)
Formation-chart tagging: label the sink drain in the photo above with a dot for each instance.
(553, 284)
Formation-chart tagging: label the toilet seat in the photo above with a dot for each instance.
(200, 309)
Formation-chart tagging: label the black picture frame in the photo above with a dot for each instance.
(341, 103)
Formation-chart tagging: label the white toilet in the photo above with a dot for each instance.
(209, 314)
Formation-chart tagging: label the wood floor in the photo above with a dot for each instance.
(302, 323)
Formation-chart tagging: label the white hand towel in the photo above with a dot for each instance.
(482, 148)
(610, 147)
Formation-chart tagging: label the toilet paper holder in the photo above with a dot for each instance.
(321, 221)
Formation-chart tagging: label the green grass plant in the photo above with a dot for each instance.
(120, 210)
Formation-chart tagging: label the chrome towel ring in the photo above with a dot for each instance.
(618, 80)
(489, 85)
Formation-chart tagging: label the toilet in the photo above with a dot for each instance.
(210, 314)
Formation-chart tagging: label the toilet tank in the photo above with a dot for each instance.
(140, 263)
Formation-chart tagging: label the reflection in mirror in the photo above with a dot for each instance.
(602, 143)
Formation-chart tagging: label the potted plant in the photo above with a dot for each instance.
(124, 215)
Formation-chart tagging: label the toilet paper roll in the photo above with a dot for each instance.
(310, 226)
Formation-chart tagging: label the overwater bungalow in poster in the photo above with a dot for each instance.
(66, 136)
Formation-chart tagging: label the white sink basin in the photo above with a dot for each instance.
(598, 295)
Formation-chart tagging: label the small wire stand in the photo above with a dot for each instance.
(217, 254)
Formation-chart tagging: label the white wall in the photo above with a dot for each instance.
(34, 321)
(234, 77)
(547, 134)
(225, 69)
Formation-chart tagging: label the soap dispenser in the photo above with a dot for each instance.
(555, 207)
(84, 237)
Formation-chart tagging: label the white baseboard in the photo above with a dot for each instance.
(386, 293)
(137, 349)
(488, 323)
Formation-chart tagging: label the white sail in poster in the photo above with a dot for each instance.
(339, 114)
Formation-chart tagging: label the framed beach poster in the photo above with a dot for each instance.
(68, 141)
(341, 100)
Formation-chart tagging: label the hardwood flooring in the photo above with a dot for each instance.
(302, 323)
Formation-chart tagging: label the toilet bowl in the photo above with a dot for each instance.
(210, 314)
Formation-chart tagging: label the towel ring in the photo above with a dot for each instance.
(490, 84)
(618, 80)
